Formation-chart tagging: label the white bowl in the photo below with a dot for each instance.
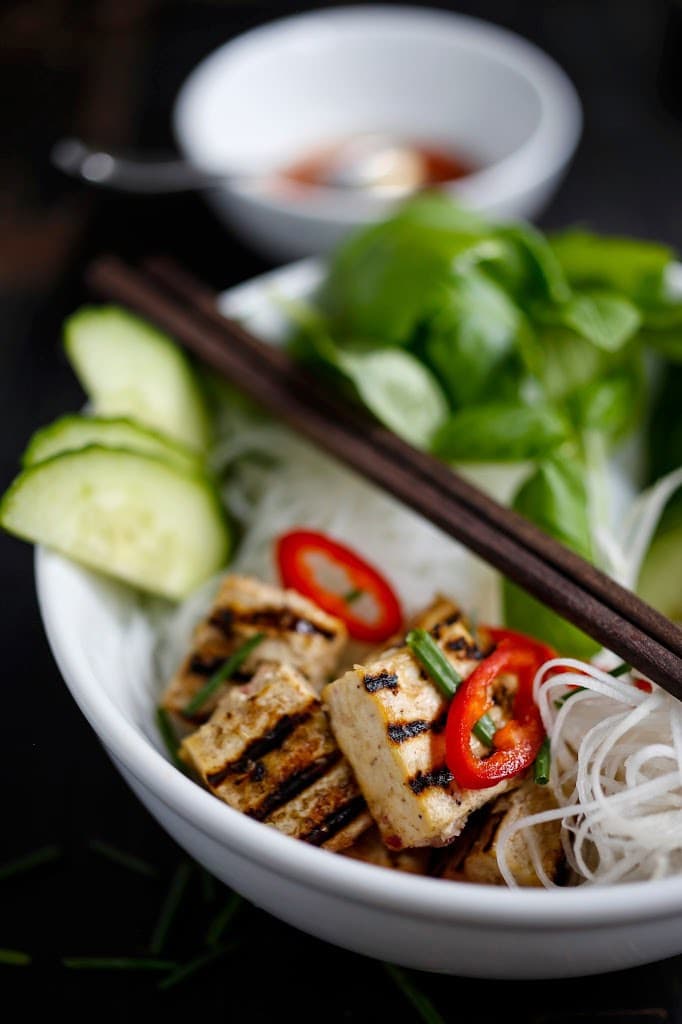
(426, 923)
(277, 91)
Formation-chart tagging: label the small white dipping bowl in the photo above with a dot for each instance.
(272, 95)
(426, 923)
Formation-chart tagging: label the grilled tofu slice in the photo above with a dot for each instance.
(297, 633)
(388, 718)
(269, 752)
(478, 862)
(370, 849)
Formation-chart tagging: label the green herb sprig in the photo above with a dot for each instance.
(429, 655)
(542, 763)
(226, 670)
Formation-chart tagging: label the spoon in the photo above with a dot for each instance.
(370, 161)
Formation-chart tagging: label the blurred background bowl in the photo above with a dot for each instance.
(278, 92)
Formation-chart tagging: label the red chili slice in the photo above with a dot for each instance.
(297, 553)
(516, 744)
(499, 633)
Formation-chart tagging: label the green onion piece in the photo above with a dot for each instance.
(126, 860)
(422, 1004)
(117, 963)
(353, 595)
(485, 729)
(163, 721)
(208, 887)
(197, 964)
(621, 669)
(542, 763)
(44, 855)
(429, 654)
(224, 919)
(567, 696)
(227, 669)
(169, 907)
(14, 958)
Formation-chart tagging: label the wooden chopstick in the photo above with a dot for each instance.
(198, 296)
(301, 401)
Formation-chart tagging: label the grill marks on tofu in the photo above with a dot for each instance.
(269, 752)
(476, 859)
(332, 813)
(388, 718)
(297, 633)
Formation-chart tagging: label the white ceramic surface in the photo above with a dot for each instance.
(279, 90)
(420, 922)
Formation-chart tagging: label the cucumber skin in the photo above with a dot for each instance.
(196, 478)
(90, 318)
(173, 451)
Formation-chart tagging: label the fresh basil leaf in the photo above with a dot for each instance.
(612, 405)
(662, 316)
(634, 268)
(388, 278)
(564, 362)
(501, 432)
(401, 392)
(436, 210)
(561, 360)
(667, 343)
(472, 339)
(605, 319)
(555, 498)
(542, 272)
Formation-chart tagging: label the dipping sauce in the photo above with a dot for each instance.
(376, 162)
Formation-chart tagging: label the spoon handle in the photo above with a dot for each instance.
(146, 177)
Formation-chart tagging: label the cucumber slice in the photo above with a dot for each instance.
(72, 432)
(133, 516)
(660, 580)
(129, 368)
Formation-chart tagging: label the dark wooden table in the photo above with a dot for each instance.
(109, 70)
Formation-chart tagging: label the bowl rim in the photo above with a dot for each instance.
(426, 898)
(544, 153)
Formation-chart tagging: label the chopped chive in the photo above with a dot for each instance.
(227, 669)
(621, 669)
(422, 1004)
(353, 595)
(169, 907)
(126, 860)
(194, 965)
(485, 729)
(14, 958)
(567, 696)
(542, 763)
(44, 855)
(222, 921)
(429, 654)
(163, 720)
(117, 963)
(208, 890)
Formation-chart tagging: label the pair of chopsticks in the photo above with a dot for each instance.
(187, 309)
